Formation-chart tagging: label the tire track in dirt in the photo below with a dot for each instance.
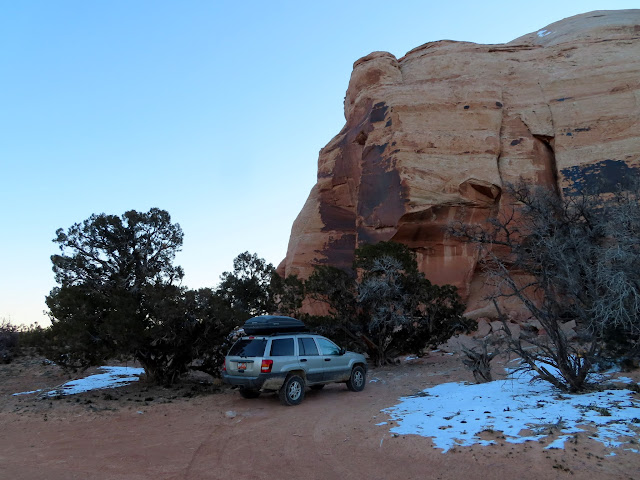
(300, 440)
(199, 452)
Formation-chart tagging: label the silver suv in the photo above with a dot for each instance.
(289, 362)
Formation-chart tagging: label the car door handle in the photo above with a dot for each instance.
(303, 359)
(327, 359)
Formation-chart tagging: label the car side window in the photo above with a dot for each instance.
(282, 347)
(306, 346)
(327, 347)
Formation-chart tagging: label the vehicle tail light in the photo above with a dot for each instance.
(266, 366)
(224, 366)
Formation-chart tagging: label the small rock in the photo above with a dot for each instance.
(488, 311)
(455, 344)
(230, 414)
(496, 326)
(515, 330)
(568, 329)
(532, 326)
(484, 329)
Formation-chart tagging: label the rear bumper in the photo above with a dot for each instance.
(264, 381)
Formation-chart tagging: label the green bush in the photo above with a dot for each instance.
(386, 305)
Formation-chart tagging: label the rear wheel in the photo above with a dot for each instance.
(292, 392)
(357, 379)
(249, 392)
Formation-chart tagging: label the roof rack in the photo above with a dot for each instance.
(272, 334)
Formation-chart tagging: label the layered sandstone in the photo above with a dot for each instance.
(433, 136)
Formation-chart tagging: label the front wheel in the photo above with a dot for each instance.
(357, 379)
(292, 392)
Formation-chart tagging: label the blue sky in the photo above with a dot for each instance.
(213, 111)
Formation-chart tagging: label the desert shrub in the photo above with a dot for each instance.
(478, 359)
(118, 294)
(31, 338)
(322, 324)
(8, 341)
(18, 340)
(402, 311)
(287, 294)
(247, 287)
(567, 258)
(385, 304)
(345, 334)
(337, 289)
(216, 321)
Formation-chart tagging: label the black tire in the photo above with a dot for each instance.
(249, 393)
(317, 387)
(357, 380)
(292, 392)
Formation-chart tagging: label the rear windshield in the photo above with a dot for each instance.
(246, 347)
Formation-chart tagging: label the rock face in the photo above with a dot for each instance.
(433, 137)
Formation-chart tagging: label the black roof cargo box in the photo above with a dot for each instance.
(270, 324)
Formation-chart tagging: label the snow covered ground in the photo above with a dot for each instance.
(113, 377)
(456, 414)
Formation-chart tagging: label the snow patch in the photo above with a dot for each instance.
(460, 414)
(26, 393)
(558, 442)
(623, 380)
(543, 33)
(113, 377)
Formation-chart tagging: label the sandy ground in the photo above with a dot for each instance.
(201, 431)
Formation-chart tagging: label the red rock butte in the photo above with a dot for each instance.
(433, 137)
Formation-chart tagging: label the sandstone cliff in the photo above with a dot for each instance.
(433, 136)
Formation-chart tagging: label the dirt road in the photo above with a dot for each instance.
(141, 432)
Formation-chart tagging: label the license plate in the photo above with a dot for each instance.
(242, 366)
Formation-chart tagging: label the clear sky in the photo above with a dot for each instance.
(212, 110)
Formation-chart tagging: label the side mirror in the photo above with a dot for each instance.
(342, 351)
